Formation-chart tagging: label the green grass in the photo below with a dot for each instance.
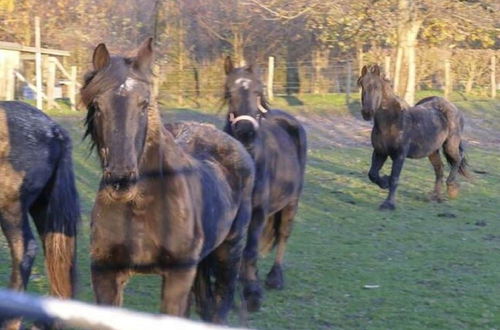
(436, 265)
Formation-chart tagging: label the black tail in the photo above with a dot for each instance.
(463, 167)
(62, 219)
(203, 290)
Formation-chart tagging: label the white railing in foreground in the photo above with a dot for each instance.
(78, 314)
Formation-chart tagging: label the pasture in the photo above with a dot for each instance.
(429, 265)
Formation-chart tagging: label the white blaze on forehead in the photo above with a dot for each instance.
(127, 86)
(243, 82)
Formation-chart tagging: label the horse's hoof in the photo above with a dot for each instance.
(252, 293)
(274, 278)
(453, 190)
(387, 206)
(436, 197)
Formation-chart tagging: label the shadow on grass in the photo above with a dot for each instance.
(291, 100)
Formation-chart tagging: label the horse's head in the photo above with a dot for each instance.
(245, 97)
(371, 83)
(117, 93)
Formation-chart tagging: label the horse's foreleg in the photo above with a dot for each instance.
(436, 162)
(176, 287)
(378, 161)
(252, 291)
(108, 286)
(397, 166)
(275, 279)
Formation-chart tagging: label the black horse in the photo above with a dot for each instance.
(400, 131)
(277, 143)
(36, 178)
(174, 200)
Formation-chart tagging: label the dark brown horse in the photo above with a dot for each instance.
(36, 178)
(400, 131)
(172, 199)
(277, 143)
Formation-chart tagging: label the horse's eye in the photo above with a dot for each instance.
(143, 103)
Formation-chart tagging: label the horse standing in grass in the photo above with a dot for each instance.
(36, 178)
(277, 143)
(401, 131)
(174, 200)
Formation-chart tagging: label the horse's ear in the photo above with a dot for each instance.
(144, 58)
(364, 70)
(375, 69)
(228, 65)
(100, 58)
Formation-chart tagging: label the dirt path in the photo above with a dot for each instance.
(348, 131)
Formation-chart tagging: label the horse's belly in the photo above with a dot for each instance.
(424, 146)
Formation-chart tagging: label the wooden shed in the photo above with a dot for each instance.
(13, 58)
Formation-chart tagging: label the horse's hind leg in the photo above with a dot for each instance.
(227, 259)
(252, 290)
(436, 162)
(451, 149)
(22, 244)
(285, 217)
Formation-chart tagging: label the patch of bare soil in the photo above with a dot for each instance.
(326, 131)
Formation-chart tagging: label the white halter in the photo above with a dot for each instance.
(233, 120)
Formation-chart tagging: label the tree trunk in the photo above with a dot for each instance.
(359, 56)
(238, 48)
(320, 61)
(408, 28)
(411, 43)
(397, 67)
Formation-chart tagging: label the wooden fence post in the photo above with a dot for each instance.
(72, 88)
(10, 92)
(447, 78)
(387, 67)
(270, 78)
(493, 77)
(348, 83)
(38, 64)
(51, 82)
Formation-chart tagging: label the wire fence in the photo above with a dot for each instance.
(471, 73)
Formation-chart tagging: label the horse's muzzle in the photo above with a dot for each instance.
(367, 114)
(120, 181)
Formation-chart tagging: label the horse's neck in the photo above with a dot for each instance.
(161, 149)
(391, 111)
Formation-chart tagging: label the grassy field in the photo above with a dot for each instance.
(434, 265)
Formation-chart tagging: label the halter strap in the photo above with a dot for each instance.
(233, 120)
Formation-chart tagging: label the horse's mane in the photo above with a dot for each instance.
(98, 81)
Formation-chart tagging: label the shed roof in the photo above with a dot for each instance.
(27, 49)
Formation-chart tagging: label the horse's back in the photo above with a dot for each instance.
(294, 130)
(30, 144)
(206, 143)
(227, 174)
(284, 154)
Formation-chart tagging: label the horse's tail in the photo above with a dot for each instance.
(203, 290)
(62, 219)
(269, 235)
(463, 168)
